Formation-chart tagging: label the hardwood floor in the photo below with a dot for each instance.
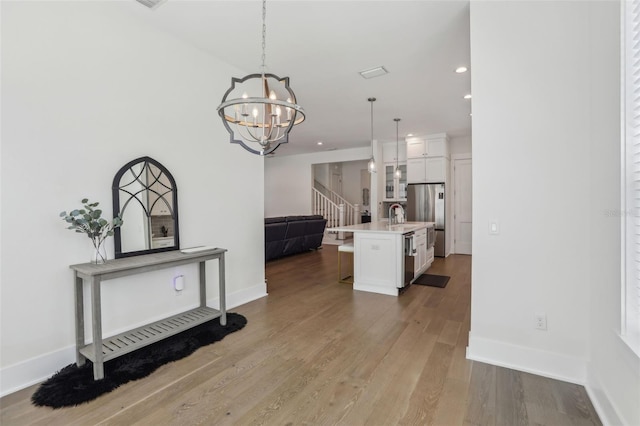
(314, 352)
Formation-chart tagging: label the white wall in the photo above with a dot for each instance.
(288, 179)
(546, 166)
(321, 174)
(460, 145)
(85, 89)
(351, 181)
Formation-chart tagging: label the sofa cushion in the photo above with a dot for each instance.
(273, 219)
(297, 218)
(274, 231)
(313, 234)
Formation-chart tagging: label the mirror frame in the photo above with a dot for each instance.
(115, 190)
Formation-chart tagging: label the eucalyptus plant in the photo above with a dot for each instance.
(89, 221)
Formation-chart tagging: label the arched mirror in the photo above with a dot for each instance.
(146, 197)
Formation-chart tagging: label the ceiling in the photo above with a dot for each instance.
(322, 45)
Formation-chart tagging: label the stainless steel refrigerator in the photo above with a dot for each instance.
(425, 203)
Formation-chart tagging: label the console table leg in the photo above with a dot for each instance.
(98, 364)
(221, 283)
(79, 294)
(203, 286)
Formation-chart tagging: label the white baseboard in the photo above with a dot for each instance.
(243, 296)
(24, 374)
(601, 403)
(389, 291)
(530, 360)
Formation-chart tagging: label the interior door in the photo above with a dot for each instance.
(462, 205)
(336, 181)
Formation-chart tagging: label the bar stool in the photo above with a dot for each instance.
(345, 248)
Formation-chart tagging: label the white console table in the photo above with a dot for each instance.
(129, 341)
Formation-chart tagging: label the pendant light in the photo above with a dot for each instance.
(254, 111)
(371, 166)
(397, 173)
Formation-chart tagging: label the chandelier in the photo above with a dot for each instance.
(371, 166)
(259, 110)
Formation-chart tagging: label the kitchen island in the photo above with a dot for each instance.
(379, 261)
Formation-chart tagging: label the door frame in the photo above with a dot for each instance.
(454, 158)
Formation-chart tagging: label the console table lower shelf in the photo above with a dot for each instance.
(104, 349)
(121, 344)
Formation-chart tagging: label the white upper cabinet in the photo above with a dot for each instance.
(428, 159)
(431, 146)
(389, 152)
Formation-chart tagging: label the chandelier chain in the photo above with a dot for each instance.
(264, 34)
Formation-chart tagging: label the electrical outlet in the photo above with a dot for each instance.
(494, 228)
(178, 284)
(541, 321)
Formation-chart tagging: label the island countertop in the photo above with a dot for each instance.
(383, 226)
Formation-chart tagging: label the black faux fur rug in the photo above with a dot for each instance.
(74, 385)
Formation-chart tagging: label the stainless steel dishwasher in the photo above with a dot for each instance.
(410, 252)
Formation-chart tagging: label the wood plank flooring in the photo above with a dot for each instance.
(314, 352)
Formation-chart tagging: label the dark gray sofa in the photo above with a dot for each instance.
(287, 235)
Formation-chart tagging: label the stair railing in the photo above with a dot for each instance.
(341, 214)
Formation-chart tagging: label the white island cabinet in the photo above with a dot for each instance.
(379, 255)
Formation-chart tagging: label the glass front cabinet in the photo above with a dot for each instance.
(395, 189)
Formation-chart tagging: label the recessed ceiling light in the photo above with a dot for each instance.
(467, 96)
(374, 72)
(460, 70)
(409, 134)
(319, 142)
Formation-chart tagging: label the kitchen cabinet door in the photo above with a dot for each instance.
(416, 148)
(432, 146)
(427, 170)
(421, 252)
(389, 152)
(395, 189)
(435, 169)
(416, 170)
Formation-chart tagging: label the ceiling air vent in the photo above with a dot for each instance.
(151, 4)
(373, 72)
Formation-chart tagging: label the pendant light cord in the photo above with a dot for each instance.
(397, 122)
(371, 100)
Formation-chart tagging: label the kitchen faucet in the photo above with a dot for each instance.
(391, 208)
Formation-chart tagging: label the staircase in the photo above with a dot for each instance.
(334, 208)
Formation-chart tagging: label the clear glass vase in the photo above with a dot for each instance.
(99, 254)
